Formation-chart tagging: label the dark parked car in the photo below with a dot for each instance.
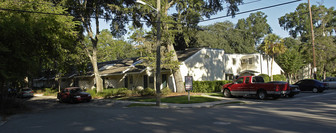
(293, 89)
(25, 92)
(73, 95)
(311, 85)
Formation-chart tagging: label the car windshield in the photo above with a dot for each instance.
(76, 90)
(26, 89)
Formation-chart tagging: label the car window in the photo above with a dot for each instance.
(247, 80)
(258, 80)
(240, 80)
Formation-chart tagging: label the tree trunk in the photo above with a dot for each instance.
(99, 82)
(272, 68)
(176, 73)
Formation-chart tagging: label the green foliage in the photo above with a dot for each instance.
(208, 86)
(266, 77)
(240, 39)
(110, 93)
(279, 77)
(30, 42)
(166, 91)
(147, 92)
(50, 92)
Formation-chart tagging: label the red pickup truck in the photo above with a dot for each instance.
(254, 85)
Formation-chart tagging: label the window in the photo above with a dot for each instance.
(234, 61)
(131, 79)
(258, 80)
(247, 80)
(151, 79)
(250, 60)
(240, 80)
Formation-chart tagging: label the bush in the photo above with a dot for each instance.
(279, 77)
(147, 92)
(266, 77)
(50, 92)
(208, 86)
(124, 92)
(166, 91)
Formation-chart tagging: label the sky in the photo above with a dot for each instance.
(273, 14)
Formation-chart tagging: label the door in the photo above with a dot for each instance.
(145, 81)
(237, 89)
(164, 80)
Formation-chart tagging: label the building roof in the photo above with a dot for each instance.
(185, 54)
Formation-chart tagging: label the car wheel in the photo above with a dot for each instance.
(261, 94)
(315, 90)
(227, 93)
(290, 95)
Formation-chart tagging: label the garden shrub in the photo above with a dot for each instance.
(209, 86)
(148, 92)
(266, 77)
(279, 77)
(50, 92)
(166, 91)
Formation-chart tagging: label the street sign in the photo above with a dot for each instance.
(188, 83)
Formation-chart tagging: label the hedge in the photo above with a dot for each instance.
(208, 86)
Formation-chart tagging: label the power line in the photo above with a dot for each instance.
(276, 5)
(281, 4)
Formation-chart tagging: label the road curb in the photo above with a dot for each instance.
(2, 123)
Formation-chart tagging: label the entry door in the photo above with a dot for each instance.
(145, 81)
(164, 80)
(238, 87)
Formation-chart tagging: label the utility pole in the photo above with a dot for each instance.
(158, 54)
(313, 39)
(158, 49)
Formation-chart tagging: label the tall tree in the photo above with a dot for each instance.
(298, 25)
(112, 49)
(35, 35)
(254, 28)
(188, 14)
(86, 11)
(291, 61)
(272, 45)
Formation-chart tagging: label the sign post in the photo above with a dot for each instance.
(188, 85)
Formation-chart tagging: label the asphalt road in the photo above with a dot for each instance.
(305, 113)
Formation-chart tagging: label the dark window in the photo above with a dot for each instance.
(258, 80)
(145, 81)
(131, 79)
(126, 82)
(250, 60)
(240, 80)
(247, 80)
(164, 80)
(151, 79)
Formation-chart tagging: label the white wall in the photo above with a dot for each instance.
(214, 64)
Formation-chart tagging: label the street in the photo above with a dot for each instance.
(305, 113)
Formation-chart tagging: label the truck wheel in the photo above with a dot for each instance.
(315, 90)
(227, 93)
(290, 95)
(261, 94)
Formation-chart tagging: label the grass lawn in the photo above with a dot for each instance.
(178, 99)
(218, 94)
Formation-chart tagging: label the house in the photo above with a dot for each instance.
(214, 64)
(204, 64)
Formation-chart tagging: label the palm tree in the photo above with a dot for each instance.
(272, 46)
